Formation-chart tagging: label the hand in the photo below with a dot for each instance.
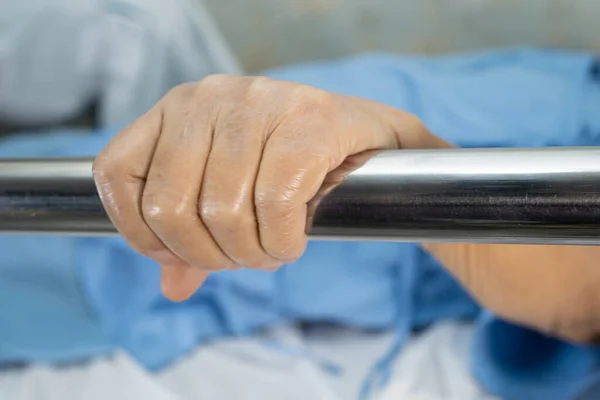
(219, 173)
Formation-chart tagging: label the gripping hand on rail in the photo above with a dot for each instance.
(220, 174)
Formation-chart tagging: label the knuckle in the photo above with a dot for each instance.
(107, 172)
(236, 231)
(102, 169)
(217, 217)
(229, 221)
(215, 83)
(154, 212)
(310, 101)
(259, 86)
(210, 90)
(182, 91)
(257, 92)
(161, 212)
(106, 165)
(278, 196)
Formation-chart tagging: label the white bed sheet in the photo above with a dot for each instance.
(432, 367)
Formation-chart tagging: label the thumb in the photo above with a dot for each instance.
(180, 282)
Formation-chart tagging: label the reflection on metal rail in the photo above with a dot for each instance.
(549, 196)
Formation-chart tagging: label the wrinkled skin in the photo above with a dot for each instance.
(223, 173)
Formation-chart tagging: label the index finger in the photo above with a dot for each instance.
(120, 172)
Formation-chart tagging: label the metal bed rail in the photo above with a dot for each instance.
(535, 196)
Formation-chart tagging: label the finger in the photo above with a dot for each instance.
(290, 175)
(300, 154)
(227, 198)
(120, 172)
(334, 179)
(387, 128)
(170, 197)
(179, 283)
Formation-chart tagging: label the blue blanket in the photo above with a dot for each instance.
(70, 298)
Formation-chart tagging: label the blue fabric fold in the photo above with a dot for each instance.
(69, 298)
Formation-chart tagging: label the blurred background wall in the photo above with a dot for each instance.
(266, 33)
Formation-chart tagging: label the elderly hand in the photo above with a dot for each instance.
(219, 173)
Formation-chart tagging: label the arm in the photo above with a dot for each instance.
(553, 289)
